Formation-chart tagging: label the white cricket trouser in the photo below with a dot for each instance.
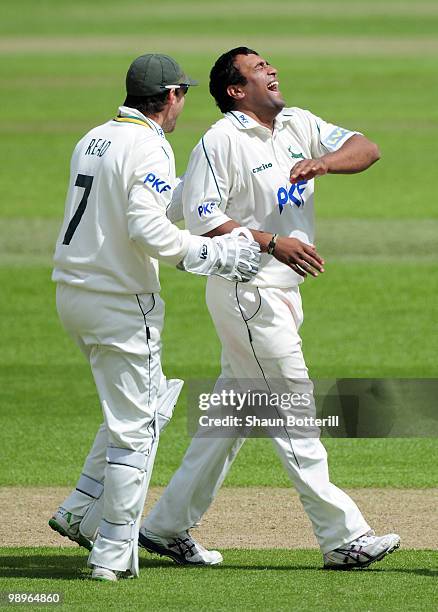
(258, 329)
(120, 336)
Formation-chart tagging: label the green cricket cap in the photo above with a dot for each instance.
(153, 73)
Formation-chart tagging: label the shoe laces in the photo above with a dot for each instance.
(365, 539)
(186, 544)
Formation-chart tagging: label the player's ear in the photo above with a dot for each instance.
(236, 92)
(172, 97)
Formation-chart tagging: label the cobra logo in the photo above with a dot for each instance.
(294, 195)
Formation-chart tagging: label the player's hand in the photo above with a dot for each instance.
(301, 257)
(307, 169)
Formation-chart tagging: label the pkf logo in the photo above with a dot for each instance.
(156, 183)
(206, 208)
(294, 195)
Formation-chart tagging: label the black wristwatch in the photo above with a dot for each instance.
(271, 245)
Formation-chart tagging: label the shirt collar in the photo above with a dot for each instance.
(244, 122)
(284, 116)
(126, 111)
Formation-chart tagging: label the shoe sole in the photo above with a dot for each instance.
(365, 564)
(53, 524)
(154, 548)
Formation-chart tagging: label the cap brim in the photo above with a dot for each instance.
(186, 80)
(183, 80)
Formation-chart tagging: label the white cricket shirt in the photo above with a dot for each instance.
(240, 170)
(122, 176)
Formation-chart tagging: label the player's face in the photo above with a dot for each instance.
(176, 105)
(261, 92)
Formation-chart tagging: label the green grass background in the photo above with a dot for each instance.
(369, 65)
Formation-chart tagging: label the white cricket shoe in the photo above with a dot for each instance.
(361, 552)
(67, 525)
(104, 574)
(182, 548)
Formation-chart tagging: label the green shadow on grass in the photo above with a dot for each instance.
(68, 567)
(54, 567)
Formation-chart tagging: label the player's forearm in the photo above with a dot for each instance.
(263, 238)
(174, 210)
(156, 235)
(355, 155)
(300, 257)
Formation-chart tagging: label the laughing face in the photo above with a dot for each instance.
(261, 94)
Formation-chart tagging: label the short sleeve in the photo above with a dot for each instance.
(326, 137)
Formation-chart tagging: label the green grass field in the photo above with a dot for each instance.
(369, 65)
(269, 579)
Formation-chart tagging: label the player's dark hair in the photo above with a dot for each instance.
(148, 105)
(225, 73)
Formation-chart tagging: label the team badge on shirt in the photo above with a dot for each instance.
(294, 155)
(335, 137)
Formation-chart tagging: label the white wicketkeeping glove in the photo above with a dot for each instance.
(233, 256)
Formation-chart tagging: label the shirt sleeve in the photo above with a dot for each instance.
(174, 210)
(207, 183)
(326, 137)
(151, 188)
